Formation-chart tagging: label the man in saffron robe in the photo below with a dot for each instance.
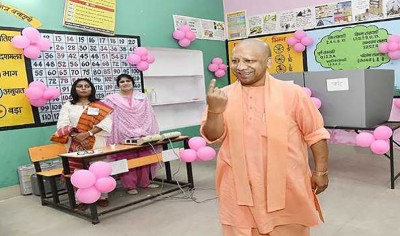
(264, 182)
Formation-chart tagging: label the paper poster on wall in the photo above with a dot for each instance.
(305, 18)
(263, 24)
(343, 13)
(90, 15)
(392, 8)
(286, 21)
(15, 109)
(236, 24)
(353, 47)
(324, 15)
(284, 58)
(213, 30)
(192, 22)
(367, 10)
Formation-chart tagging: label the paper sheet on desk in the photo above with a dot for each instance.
(75, 154)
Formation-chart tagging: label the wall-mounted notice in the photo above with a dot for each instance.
(90, 15)
(236, 25)
(15, 109)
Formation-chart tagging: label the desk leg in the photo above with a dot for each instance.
(189, 174)
(168, 170)
(391, 158)
(68, 184)
(93, 213)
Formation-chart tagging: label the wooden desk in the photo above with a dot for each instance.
(394, 125)
(140, 161)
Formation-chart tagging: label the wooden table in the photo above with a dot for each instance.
(132, 163)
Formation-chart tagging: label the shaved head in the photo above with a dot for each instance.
(257, 45)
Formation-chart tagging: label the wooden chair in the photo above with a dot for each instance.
(45, 153)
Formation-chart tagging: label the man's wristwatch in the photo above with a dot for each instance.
(90, 133)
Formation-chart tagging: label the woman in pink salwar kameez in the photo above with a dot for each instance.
(133, 116)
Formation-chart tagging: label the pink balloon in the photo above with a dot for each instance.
(206, 153)
(105, 184)
(298, 47)
(190, 35)
(299, 34)
(83, 179)
(88, 195)
(307, 41)
(317, 102)
(213, 67)
(393, 38)
(32, 52)
(184, 42)
(150, 59)
(44, 44)
(34, 93)
(38, 84)
(100, 169)
(20, 41)
(32, 34)
(142, 66)
(380, 147)
(51, 93)
(141, 51)
(292, 41)
(38, 102)
(197, 142)
(394, 55)
(178, 34)
(382, 132)
(222, 66)
(392, 46)
(217, 60)
(308, 91)
(219, 73)
(397, 103)
(188, 155)
(383, 48)
(144, 58)
(364, 139)
(134, 59)
(185, 28)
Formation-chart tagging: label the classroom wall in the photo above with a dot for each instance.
(149, 19)
(256, 7)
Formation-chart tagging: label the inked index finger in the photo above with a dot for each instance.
(211, 86)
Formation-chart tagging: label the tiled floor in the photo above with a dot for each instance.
(357, 203)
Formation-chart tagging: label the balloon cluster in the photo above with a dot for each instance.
(198, 151)
(31, 42)
(39, 94)
(141, 58)
(299, 41)
(184, 35)
(91, 183)
(217, 67)
(317, 102)
(378, 141)
(391, 47)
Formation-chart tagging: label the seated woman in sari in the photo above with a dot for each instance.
(133, 116)
(83, 123)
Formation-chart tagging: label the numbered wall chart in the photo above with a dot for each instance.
(98, 58)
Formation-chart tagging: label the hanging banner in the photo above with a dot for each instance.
(20, 14)
(90, 15)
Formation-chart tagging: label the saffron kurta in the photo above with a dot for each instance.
(304, 127)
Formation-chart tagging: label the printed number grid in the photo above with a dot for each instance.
(98, 58)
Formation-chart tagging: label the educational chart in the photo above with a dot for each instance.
(284, 58)
(15, 109)
(353, 47)
(71, 56)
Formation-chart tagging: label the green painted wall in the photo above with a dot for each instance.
(149, 19)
